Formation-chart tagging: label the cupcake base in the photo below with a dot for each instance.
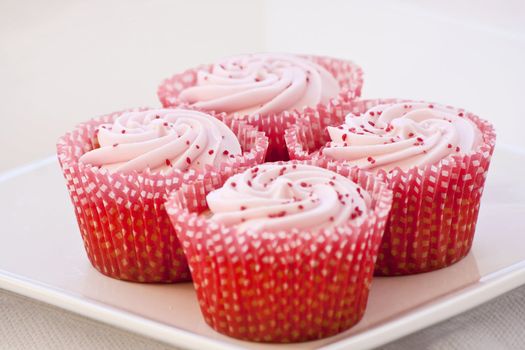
(121, 216)
(347, 73)
(285, 286)
(435, 208)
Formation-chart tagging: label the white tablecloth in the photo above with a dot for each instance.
(28, 324)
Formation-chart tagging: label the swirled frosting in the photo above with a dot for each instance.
(161, 139)
(277, 196)
(402, 135)
(261, 84)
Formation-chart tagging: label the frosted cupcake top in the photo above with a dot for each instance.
(161, 139)
(261, 83)
(402, 135)
(279, 196)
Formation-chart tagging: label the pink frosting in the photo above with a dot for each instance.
(282, 196)
(261, 83)
(163, 139)
(402, 135)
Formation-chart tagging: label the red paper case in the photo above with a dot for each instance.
(347, 73)
(279, 286)
(121, 216)
(435, 207)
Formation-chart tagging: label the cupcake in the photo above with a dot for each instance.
(261, 88)
(119, 170)
(282, 252)
(435, 159)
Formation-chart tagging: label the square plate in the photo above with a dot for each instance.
(42, 256)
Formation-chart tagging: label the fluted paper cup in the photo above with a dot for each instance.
(435, 207)
(286, 286)
(121, 216)
(348, 75)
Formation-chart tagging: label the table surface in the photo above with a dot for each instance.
(29, 324)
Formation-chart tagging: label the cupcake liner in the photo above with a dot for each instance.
(347, 73)
(435, 207)
(121, 216)
(286, 286)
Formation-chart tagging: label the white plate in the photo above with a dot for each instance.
(42, 256)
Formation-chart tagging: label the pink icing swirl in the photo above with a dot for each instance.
(163, 139)
(280, 196)
(402, 135)
(261, 83)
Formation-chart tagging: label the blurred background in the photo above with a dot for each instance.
(63, 62)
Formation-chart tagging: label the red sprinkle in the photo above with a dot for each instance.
(115, 144)
(157, 117)
(457, 149)
(449, 145)
(249, 183)
(243, 207)
(165, 124)
(411, 134)
(188, 160)
(344, 137)
(430, 106)
(234, 184)
(371, 113)
(332, 218)
(225, 152)
(304, 184)
(460, 114)
(168, 162)
(277, 215)
(123, 131)
(187, 142)
(300, 206)
(210, 152)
